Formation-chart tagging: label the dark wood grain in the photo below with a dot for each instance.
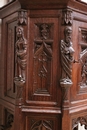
(43, 65)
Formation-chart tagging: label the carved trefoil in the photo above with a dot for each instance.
(42, 59)
(67, 17)
(67, 59)
(22, 17)
(41, 124)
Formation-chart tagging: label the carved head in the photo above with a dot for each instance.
(68, 32)
(44, 31)
(19, 31)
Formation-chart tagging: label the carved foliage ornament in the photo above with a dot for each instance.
(67, 17)
(22, 17)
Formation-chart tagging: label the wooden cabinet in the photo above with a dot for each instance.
(43, 73)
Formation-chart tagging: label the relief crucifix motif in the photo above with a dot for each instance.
(42, 58)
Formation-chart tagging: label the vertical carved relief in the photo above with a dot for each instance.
(83, 60)
(20, 55)
(67, 59)
(81, 120)
(22, 17)
(67, 52)
(42, 59)
(41, 125)
(67, 17)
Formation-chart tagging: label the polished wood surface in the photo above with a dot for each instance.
(43, 68)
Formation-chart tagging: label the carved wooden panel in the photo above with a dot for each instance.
(9, 24)
(79, 67)
(39, 122)
(42, 80)
(83, 58)
(10, 58)
(43, 59)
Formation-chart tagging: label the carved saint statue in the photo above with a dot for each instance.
(67, 55)
(21, 53)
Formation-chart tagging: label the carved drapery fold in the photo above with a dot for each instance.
(20, 54)
(67, 59)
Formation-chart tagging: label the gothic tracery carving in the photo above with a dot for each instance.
(42, 58)
(41, 124)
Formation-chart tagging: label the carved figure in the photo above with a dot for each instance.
(67, 55)
(21, 53)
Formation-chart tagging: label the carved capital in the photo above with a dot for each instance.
(22, 17)
(67, 17)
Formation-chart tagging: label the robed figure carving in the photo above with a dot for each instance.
(21, 55)
(67, 56)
